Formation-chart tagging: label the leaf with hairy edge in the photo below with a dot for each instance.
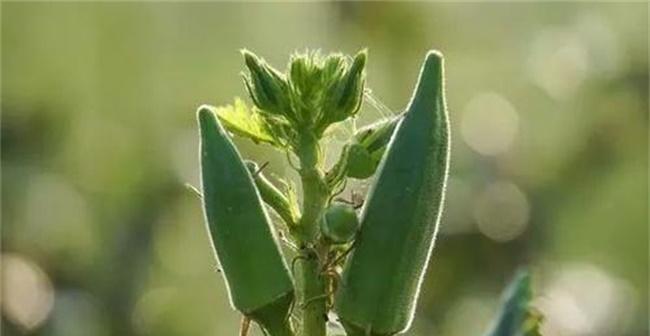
(245, 122)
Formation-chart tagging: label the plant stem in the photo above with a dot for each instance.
(313, 297)
(314, 187)
(310, 283)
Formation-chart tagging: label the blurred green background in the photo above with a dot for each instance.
(549, 110)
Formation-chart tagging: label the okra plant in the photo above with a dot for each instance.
(363, 266)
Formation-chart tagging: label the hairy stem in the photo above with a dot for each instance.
(314, 187)
(311, 287)
(312, 296)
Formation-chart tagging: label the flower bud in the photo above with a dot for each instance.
(352, 85)
(266, 86)
(343, 98)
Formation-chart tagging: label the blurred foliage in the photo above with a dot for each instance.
(549, 108)
(516, 316)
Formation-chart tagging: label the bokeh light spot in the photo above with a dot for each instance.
(489, 124)
(78, 313)
(57, 220)
(476, 309)
(582, 299)
(27, 293)
(502, 211)
(558, 62)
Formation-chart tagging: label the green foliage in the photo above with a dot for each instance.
(517, 316)
(98, 139)
(385, 253)
(250, 123)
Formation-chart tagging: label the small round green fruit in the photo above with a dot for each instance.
(340, 223)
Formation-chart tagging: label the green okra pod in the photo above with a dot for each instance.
(256, 275)
(399, 221)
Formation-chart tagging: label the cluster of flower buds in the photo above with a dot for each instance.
(315, 93)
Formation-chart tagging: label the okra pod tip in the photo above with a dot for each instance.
(431, 78)
(208, 122)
